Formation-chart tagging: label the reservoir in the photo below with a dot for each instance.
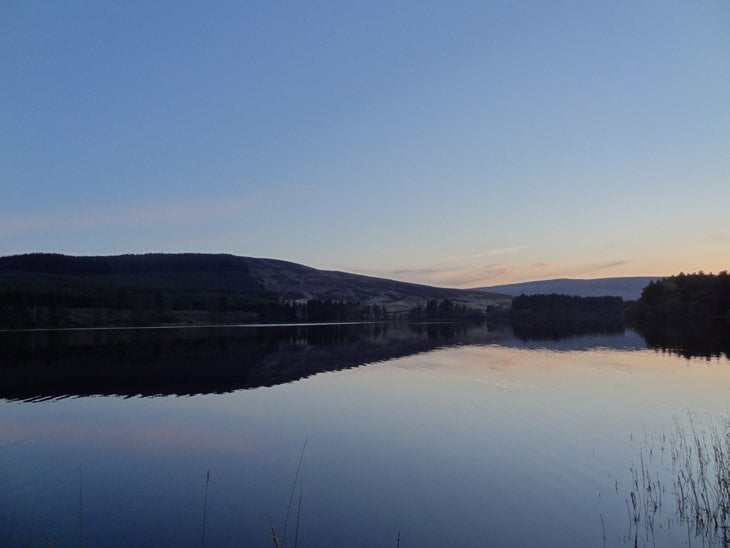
(371, 434)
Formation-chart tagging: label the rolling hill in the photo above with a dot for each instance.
(628, 288)
(296, 281)
(42, 288)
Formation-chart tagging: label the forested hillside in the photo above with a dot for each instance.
(685, 296)
(52, 290)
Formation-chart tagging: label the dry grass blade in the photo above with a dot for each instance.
(293, 488)
(205, 507)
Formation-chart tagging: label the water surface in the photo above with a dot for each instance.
(446, 434)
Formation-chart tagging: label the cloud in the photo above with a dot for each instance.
(604, 265)
(461, 276)
(613, 264)
(504, 251)
(416, 271)
(463, 271)
(495, 273)
(496, 252)
(486, 273)
(132, 216)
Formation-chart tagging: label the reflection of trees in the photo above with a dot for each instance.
(559, 329)
(441, 332)
(53, 364)
(556, 317)
(700, 338)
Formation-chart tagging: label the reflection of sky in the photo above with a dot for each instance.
(512, 445)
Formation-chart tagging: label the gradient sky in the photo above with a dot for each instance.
(451, 143)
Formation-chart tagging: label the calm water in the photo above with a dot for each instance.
(447, 435)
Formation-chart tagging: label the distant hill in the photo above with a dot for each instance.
(51, 289)
(628, 288)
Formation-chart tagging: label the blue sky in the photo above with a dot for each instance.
(452, 143)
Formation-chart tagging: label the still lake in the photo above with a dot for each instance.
(422, 435)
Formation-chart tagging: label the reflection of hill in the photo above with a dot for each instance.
(56, 364)
(149, 362)
(706, 339)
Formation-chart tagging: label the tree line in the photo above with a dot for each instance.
(444, 310)
(28, 307)
(58, 264)
(684, 297)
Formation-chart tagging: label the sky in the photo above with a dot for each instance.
(457, 144)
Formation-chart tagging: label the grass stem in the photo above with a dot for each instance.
(205, 507)
(293, 489)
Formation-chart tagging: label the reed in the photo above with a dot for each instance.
(299, 513)
(697, 484)
(293, 488)
(205, 508)
(81, 508)
(281, 542)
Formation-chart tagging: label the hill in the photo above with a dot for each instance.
(299, 282)
(51, 289)
(685, 297)
(628, 288)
